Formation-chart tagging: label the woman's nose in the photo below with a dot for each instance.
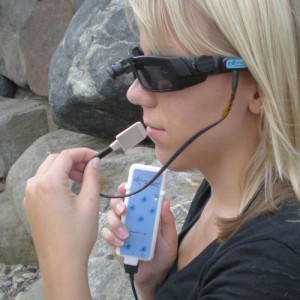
(137, 95)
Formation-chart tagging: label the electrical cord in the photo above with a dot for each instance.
(184, 145)
(131, 270)
(170, 160)
(104, 152)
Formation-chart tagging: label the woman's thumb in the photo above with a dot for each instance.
(91, 179)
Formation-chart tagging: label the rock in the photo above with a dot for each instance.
(84, 98)
(25, 167)
(34, 292)
(15, 242)
(21, 123)
(40, 37)
(30, 32)
(13, 15)
(16, 278)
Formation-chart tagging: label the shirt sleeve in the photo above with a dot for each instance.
(266, 269)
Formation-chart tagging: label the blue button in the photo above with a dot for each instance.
(140, 219)
(131, 207)
(152, 210)
(143, 249)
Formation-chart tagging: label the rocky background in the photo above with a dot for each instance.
(55, 94)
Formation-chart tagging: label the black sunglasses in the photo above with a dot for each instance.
(166, 74)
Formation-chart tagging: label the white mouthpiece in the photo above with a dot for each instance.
(130, 137)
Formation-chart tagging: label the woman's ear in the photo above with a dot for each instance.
(255, 104)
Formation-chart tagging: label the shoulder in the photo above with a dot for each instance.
(269, 236)
(261, 261)
(282, 225)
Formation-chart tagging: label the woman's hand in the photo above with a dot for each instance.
(150, 274)
(64, 225)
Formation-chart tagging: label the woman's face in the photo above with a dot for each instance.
(173, 117)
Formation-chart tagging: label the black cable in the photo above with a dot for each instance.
(169, 161)
(189, 141)
(104, 152)
(131, 270)
(131, 277)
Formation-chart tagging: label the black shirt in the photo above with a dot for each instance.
(260, 261)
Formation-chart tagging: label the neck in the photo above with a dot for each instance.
(226, 182)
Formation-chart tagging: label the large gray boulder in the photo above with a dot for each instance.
(30, 31)
(21, 123)
(82, 96)
(26, 166)
(13, 16)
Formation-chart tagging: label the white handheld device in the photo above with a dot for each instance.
(143, 213)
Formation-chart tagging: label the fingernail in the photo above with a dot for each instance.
(120, 208)
(118, 243)
(96, 163)
(123, 233)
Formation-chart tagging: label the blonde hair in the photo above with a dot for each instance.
(266, 34)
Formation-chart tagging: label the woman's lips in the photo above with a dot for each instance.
(154, 132)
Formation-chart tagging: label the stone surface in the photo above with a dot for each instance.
(40, 37)
(16, 278)
(21, 123)
(26, 166)
(15, 243)
(34, 292)
(13, 15)
(85, 99)
(30, 30)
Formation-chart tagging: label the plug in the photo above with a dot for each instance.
(126, 140)
(129, 137)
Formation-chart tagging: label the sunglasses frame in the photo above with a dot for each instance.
(184, 71)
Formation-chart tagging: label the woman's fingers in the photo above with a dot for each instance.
(116, 225)
(67, 159)
(118, 206)
(111, 238)
(116, 232)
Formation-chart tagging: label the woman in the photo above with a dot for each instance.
(250, 160)
(241, 236)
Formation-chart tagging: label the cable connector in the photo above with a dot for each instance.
(131, 260)
(126, 140)
(129, 137)
(129, 269)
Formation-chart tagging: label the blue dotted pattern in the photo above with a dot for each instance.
(141, 214)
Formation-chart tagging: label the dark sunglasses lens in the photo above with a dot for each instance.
(156, 78)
